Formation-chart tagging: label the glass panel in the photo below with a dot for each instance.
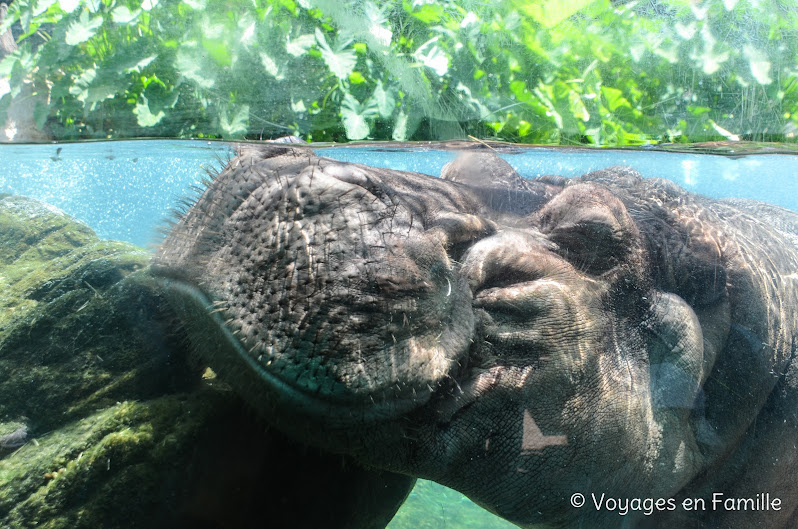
(469, 305)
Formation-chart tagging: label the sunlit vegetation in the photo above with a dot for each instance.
(595, 72)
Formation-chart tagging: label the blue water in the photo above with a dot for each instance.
(125, 190)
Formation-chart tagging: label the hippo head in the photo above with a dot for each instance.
(517, 340)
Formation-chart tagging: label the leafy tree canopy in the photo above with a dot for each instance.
(602, 72)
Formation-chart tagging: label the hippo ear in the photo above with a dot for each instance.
(497, 184)
(482, 169)
(591, 227)
(696, 270)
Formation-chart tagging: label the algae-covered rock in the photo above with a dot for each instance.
(80, 319)
(92, 382)
(118, 467)
(94, 385)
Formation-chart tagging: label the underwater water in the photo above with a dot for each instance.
(125, 191)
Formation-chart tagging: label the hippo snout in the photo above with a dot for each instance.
(335, 283)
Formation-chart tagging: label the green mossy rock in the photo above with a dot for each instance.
(88, 366)
(80, 321)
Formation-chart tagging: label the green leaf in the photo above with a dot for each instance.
(219, 51)
(709, 59)
(42, 6)
(685, 31)
(339, 59)
(237, 126)
(299, 45)
(271, 67)
(7, 65)
(82, 29)
(384, 101)
(298, 106)
(247, 27)
(432, 56)
(145, 117)
(356, 78)
(17, 77)
(429, 13)
(197, 5)
(760, 65)
(545, 100)
(95, 86)
(68, 5)
(354, 115)
(614, 98)
(123, 16)
(93, 6)
(378, 22)
(549, 13)
(143, 63)
(518, 88)
(578, 108)
(189, 63)
(40, 114)
(400, 128)
(80, 88)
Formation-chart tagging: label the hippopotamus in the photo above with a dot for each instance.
(602, 351)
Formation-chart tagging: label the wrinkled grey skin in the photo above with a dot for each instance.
(519, 341)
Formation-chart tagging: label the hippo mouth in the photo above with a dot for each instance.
(322, 289)
(220, 347)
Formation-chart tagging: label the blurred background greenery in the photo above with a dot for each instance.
(599, 72)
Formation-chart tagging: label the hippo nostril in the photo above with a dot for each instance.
(457, 232)
(510, 258)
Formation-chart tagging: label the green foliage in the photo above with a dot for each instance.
(603, 72)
